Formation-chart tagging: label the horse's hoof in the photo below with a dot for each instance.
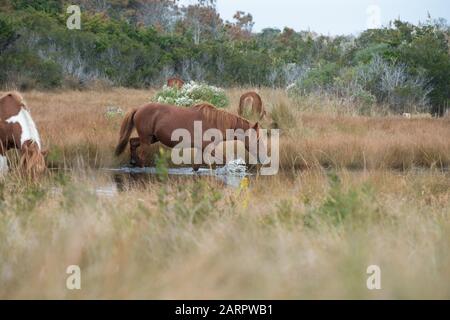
(133, 163)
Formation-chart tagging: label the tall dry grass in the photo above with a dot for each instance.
(301, 234)
(315, 132)
(322, 132)
(310, 235)
(74, 125)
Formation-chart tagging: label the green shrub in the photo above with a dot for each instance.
(7, 33)
(353, 207)
(50, 6)
(316, 79)
(365, 101)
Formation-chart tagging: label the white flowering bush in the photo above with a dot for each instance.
(192, 93)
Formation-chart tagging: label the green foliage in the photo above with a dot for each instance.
(352, 208)
(285, 215)
(317, 78)
(50, 6)
(192, 202)
(365, 55)
(422, 49)
(30, 198)
(6, 33)
(191, 94)
(378, 80)
(340, 204)
(196, 202)
(122, 46)
(365, 100)
(162, 164)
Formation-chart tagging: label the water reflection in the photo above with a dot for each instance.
(126, 178)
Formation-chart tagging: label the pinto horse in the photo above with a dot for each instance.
(175, 82)
(256, 104)
(18, 131)
(156, 122)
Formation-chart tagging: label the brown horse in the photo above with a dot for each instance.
(256, 103)
(156, 122)
(175, 82)
(18, 131)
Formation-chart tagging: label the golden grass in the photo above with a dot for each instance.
(301, 234)
(75, 128)
(187, 239)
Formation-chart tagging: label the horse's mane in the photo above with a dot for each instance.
(221, 119)
(15, 95)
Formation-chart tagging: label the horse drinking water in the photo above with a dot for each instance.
(157, 122)
(18, 131)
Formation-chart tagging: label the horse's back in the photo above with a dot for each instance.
(161, 109)
(251, 94)
(256, 103)
(163, 119)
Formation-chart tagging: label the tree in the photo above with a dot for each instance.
(203, 20)
(242, 27)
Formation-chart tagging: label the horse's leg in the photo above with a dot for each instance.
(3, 165)
(134, 144)
(3, 160)
(198, 152)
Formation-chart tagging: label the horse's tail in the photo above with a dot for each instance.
(125, 131)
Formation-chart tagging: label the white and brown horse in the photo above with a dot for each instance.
(18, 131)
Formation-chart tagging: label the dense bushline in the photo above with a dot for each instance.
(141, 43)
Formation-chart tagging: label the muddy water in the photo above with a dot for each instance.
(229, 179)
(125, 178)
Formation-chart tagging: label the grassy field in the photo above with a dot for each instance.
(315, 133)
(354, 191)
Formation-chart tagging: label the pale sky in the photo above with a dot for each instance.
(332, 16)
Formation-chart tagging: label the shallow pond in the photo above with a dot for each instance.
(124, 178)
(110, 181)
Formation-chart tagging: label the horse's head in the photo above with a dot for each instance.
(32, 160)
(10, 104)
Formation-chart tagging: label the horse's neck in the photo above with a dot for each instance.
(242, 124)
(29, 130)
